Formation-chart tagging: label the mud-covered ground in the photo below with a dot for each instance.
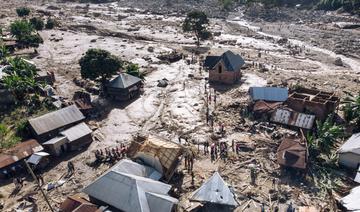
(306, 58)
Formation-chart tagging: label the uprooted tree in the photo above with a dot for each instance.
(99, 65)
(197, 22)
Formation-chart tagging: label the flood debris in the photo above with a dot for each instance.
(349, 152)
(292, 152)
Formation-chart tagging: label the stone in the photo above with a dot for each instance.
(338, 62)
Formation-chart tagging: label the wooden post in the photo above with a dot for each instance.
(37, 182)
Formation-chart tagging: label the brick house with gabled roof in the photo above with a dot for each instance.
(224, 68)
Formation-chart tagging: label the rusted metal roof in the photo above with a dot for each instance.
(56, 119)
(292, 118)
(265, 107)
(20, 151)
(293, 153)
(78, 204)
(76, 132)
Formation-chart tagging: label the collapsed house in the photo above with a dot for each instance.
(124, 87)
(157, 152)
(51, 124)
(224, 68)
(292, 153)
(130, 187)
(351, 201)
(319, 103)
(83, 101)
(76, 203)
(11, 160)
(71, 139)
(349, 152)
(214, 195)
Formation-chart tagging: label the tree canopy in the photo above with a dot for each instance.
(197, 22)
(98, 64)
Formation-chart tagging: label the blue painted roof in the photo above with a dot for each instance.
(273, 94)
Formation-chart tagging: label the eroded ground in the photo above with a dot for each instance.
(179, 109)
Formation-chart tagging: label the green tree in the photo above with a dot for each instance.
(22, 11)
(352, 110)
(50, 23)
(98, 64)
(134, 70)
(37, 23)
(197, 23)
(4, 52)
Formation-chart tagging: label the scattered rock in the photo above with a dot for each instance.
(163, 83)
(150, 49)
(338, 61)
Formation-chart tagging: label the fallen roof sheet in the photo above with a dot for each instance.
(133, 193)
(130, 167)
(214, 190)
(292, 118)
(272, 94)
(123, 81)
(18, 152)
(292, 153)
(265, 107)
(36, 157)
(56, 119)
(76, 132)
(351, 201)
(351, 145)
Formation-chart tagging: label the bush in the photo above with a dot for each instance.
(23, 11)
(21, 129)
(31, 40)
(20, 28)
(50, 23)
(37, 23)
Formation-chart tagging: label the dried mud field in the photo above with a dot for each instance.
(307, 59)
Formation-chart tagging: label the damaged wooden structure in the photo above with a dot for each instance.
(163, 155)
(293, 152)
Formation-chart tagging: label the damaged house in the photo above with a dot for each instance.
(157, 152)
(292, 153)
(312, 101)
(11, 159)
(51, 124)
(131, 187)
(225, 68)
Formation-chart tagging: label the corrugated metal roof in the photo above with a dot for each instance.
(293, 118)
(214, 190)
(76, 132)
(123, 81)
(232, 62)
(351, 202)
(292, 153)
(130, 167)
(269, 94)
(351, 145)
(131, 193)
(36, 157)
(56, 119)
(60, 139)
(20, 151)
